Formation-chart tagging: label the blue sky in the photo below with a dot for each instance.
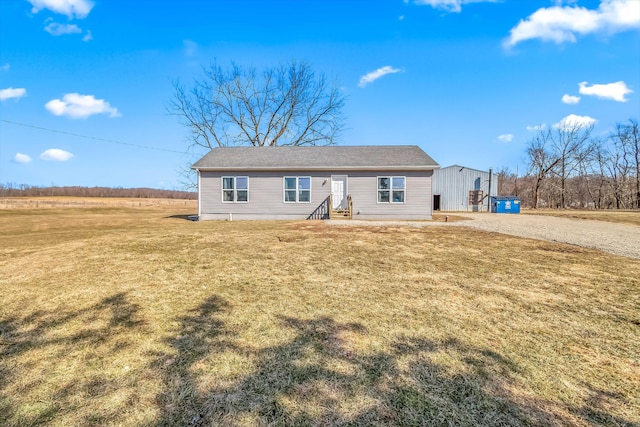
(84, 84)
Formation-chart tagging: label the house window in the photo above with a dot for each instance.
(391, 189)
(235, 189)
(297, 189)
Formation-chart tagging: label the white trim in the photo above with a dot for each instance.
(199, 194)
(234, 189)
(391, 202)
(346, 187)
(297, 189)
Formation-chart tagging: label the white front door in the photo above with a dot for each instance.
(338, 196)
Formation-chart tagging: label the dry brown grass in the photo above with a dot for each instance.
(619, 216)
(135, 316)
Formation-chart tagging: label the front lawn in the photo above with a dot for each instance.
(136, 316)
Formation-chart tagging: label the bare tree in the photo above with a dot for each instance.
(284, 105)
(508, 182)
(571, 146)
(616, 168)
(626, 138)
(541, 161)
(557, 153)
(592, 178)
(568, 167)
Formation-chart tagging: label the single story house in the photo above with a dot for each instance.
(463, 189)
(306, 182)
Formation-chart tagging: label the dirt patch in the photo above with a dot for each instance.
(446, 217)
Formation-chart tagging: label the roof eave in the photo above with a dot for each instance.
(315, 168)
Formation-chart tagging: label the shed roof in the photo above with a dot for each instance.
(460, 167)
(388, 157)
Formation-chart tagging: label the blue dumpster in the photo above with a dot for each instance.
(505, 204)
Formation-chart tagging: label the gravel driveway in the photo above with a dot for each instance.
(618, 239)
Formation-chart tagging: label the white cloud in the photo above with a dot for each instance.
(560, 24)
(72, 8)
(87, 37)
(56, 155)
(56, 29)
(79, 106)
(375, 75)
(21, 158)
(615, 91)
(5, 67)
(506, 137)
(450, 5)
(570, 99)
(537, 127)
(574, 121)
(10, 93)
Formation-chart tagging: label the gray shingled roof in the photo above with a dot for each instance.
(327, 157)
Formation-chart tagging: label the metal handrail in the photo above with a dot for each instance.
(322, 211)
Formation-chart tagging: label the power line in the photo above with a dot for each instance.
(146, 147)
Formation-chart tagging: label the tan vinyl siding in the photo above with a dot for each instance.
(266, 197)
(363, 187)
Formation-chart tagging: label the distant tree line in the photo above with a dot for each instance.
(21, 190)
(569, 167)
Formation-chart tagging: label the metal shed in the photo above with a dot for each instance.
(463, 189)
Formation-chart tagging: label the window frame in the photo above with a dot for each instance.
(235, 189)
(297, 189)
(391, 190)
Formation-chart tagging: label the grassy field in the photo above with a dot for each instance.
(619, 216)
(83, 202)
(118, 315)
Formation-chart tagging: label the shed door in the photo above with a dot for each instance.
(338, 192)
